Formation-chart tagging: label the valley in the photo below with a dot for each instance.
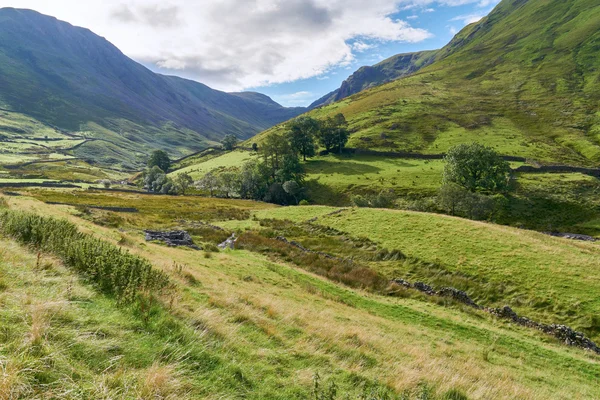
(429, 230)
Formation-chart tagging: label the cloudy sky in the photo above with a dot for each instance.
(293, 50)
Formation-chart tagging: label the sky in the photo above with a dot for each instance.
(292, 50)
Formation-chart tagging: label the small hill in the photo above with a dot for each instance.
(68, 77)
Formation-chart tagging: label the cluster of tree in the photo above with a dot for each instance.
(229, 142)
(305, 132)
(476, 180)
(278, 176)
(267, 180)
(155, 177)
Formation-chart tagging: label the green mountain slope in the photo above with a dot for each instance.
(525, 80)
(68, 77)
(366, 77)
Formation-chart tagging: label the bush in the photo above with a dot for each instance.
(303, 203)
(114, 271)
(385, 199)
(455, 200)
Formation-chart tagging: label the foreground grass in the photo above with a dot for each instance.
(277, 325)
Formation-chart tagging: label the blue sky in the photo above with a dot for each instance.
(442, 21)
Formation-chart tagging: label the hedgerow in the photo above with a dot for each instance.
(111, 269)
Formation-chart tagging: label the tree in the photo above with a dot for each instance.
(208, 182)
(229, 142)
(254, 147)
(253, 180)
(156, 181)
(183, 182)
(290, 169)
(293, 189)
(273, 151)
(476, 168)
(301, 135)
(160, 159)
(229, 183)
(333, 133)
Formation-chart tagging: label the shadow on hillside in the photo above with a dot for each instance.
(340, 167)
(545, 214)
(322, 194)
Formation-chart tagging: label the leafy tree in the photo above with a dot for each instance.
(273, 151)
(291, 169)
(229, 183)
(476, 168)
(229, 142)
(333, 133)
(183, 182)
(160, 159)
(293, 189)
(254, 147)
(253, 180)
(208, 182)
(301, 135)
(156, 181)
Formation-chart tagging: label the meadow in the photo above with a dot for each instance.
(247, 324)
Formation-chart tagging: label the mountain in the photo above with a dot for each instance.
(525, 80)
(67, 77)
(367, 77)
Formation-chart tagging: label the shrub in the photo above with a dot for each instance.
(114, 271)
(455, 200)
(385, 199)
(303, 203)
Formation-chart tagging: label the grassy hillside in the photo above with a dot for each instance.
(68, 77)
(523, 79)
(246, 324)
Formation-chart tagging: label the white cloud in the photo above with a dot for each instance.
(361, 46)
(295, 98)
(237, 44)
(469, 18)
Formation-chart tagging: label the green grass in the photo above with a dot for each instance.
(356, 174)
(550, 278)
(228, 160)
(241, 325)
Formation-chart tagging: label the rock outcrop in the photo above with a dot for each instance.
(172, 238)
(563, 333)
